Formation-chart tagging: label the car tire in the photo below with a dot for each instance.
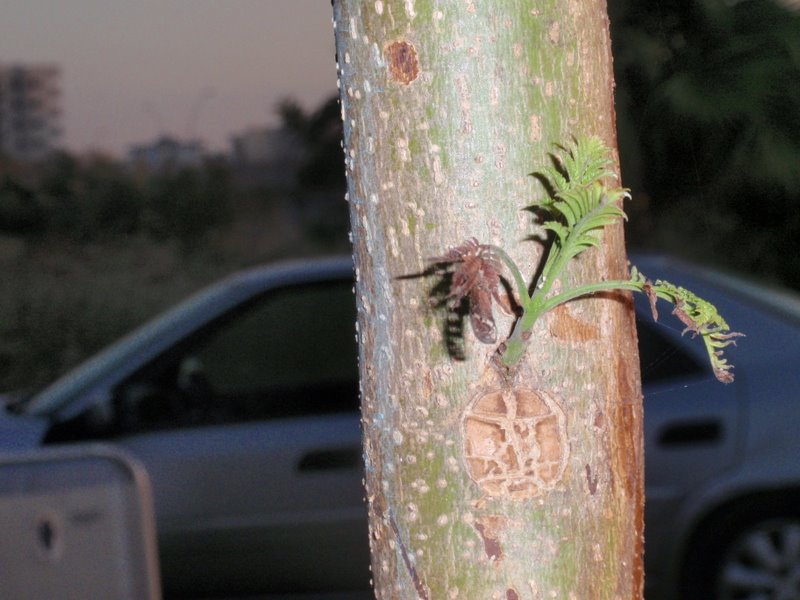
(748, 551)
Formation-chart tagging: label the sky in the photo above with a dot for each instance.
(134, 69)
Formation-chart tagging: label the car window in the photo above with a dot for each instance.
(660, 357)
(290, 352)
(293, 353)
(295, 338)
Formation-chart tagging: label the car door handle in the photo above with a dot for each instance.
(690, 433)
(331, 459)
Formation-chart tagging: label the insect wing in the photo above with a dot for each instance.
(480, 315)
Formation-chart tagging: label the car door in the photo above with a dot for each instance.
(691, 419)
(691, 431)
(250, 434)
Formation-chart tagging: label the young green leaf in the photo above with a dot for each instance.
(698, 315)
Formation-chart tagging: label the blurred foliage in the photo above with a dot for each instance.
(320, 176)
(20, 210)
(708, 103)
(96, 198)
(321, 130)
(84, 201)
(188, 203)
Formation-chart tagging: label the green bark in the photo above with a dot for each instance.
(448, 107)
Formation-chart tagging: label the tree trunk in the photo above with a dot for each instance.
(448, 107)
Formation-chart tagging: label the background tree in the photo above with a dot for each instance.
(188, 203)
(447, 108)
(321, 133)
(710, 128)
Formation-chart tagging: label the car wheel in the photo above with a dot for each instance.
(754, 556)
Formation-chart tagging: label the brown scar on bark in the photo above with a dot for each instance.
(565, 326)
(599, 419)
(403, 62)
(591, 480)
(512, 594)
(515, 442)
(489, 528)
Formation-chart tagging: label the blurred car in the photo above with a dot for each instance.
(242, 404)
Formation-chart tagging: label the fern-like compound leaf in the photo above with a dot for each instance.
(558, 182)
(580, 164)
(581, 205)
(585, 211)
(586, 161)
(556, 227)
(698, 315)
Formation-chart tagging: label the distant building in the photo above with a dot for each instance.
(166, 153)
(30, 110)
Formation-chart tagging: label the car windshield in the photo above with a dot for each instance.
(780, 301)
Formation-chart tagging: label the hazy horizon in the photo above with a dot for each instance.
(131, 71)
